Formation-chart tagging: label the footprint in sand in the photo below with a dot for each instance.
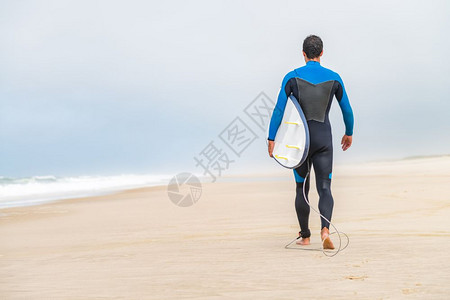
(351, 277)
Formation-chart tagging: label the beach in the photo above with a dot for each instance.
(136, 244)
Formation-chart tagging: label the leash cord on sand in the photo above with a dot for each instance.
(339, 233)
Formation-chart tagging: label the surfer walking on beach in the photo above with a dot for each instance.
(314, 86)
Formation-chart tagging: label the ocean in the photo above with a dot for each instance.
(40, 189)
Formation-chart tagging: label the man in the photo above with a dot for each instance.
(314, 87)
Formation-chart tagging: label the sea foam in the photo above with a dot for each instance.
(40, 189)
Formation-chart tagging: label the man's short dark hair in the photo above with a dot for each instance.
(312, 46)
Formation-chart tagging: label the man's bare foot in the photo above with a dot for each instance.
(303, 241)
(327, 243)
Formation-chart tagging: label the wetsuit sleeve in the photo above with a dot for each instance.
(278, 111)
(346, 109)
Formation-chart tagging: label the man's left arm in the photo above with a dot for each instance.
(347, 113)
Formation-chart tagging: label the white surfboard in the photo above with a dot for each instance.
(292, 138)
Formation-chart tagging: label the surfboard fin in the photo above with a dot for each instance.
(294, 147)
(281, 157)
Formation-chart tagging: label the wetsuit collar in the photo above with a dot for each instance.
(313, 63)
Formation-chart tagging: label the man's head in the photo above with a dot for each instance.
(312, 48)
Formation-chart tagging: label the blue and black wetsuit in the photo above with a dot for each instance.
(314, 86)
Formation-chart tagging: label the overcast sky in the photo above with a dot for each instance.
(110, 87)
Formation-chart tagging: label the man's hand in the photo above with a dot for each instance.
(346, 142)
(271, 145)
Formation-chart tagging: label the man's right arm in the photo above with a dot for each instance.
(278, 111)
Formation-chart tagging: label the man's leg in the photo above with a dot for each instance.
(301, 207)
(323, 164)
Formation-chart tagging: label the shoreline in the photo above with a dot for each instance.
(279, 175)
(36, 202)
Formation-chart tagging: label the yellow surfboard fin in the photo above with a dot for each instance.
(281, 157)
(290, 146)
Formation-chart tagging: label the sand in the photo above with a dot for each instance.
(138, 245)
